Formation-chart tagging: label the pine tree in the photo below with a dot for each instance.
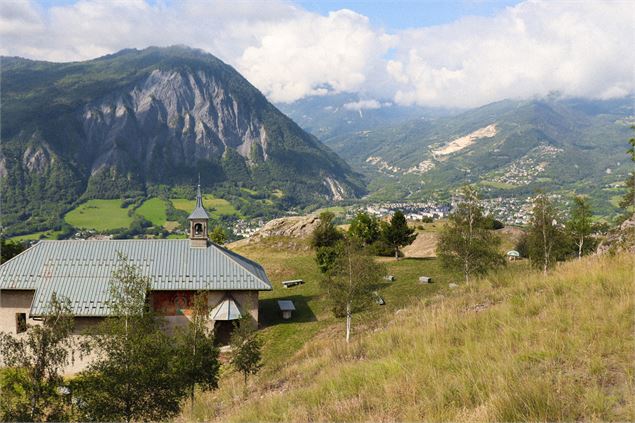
(324, 239)
(466, 244)
(397, 234)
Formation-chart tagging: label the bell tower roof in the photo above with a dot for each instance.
(199, 211)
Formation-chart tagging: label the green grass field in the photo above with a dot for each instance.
(100, 215)
(220, 206)
(515, 346)
(153, 210)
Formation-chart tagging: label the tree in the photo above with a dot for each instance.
(135, 375)
(198, 364)
(365, 228)
(324, 239)
(466, 244)
(325, 234)
(545, 238)
(397, 234)
(38, 359)
(218, 235)
(9, 249)
(246, 348)
(351, 281)
(580, 226)
(629, 197)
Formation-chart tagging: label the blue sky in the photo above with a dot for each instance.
(396, 15)
(389, 14)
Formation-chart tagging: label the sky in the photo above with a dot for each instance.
(462, 53)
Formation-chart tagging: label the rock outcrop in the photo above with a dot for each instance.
(299, 227)
(621, 238)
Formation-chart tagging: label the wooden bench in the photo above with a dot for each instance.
(294, 282)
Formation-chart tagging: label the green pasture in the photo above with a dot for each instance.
(100, 215)
(215, 206)
(153, 210)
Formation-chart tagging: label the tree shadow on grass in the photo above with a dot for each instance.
(269, 313)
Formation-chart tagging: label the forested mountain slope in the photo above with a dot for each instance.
(117, 125)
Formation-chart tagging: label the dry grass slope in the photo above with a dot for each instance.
(512, 347)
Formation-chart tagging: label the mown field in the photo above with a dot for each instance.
(153, 209)
(514, 346)
(215, 206)
(100, 215)
(105, 215)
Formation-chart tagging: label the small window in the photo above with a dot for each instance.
(198, 229)
(20, 322)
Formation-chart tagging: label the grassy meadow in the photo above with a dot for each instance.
(515, 346)
(153, 209)
(100, 215)
(215, 206)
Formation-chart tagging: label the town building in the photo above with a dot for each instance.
(82, 271)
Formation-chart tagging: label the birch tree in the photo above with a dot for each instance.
(39, 358)
(465, 243)
(135, 375)
(350, 282)
(545, 239)
(580, 226)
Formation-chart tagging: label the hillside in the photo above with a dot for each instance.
(119, 125)
(509, 147)
(515, 346)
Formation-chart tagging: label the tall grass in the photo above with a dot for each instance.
(516, 346)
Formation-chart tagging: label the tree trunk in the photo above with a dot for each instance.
(580, 244)
(466, 272)
(396, 253)
(348, 322)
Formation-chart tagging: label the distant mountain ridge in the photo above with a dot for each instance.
(509, 147)
(116, 125)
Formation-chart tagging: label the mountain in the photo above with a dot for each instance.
(509, 147)
(333, 115)
(124, 123)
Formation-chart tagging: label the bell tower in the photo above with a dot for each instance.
(198, 222)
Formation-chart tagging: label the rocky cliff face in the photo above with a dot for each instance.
(124, 122)
(186, 116)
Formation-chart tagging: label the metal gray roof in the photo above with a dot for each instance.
(82, 270)
(199, 211)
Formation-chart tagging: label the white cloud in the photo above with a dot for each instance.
(363, 104)
(577, 49)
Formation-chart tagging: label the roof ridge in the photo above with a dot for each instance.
(31, 248)
(230, 254)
